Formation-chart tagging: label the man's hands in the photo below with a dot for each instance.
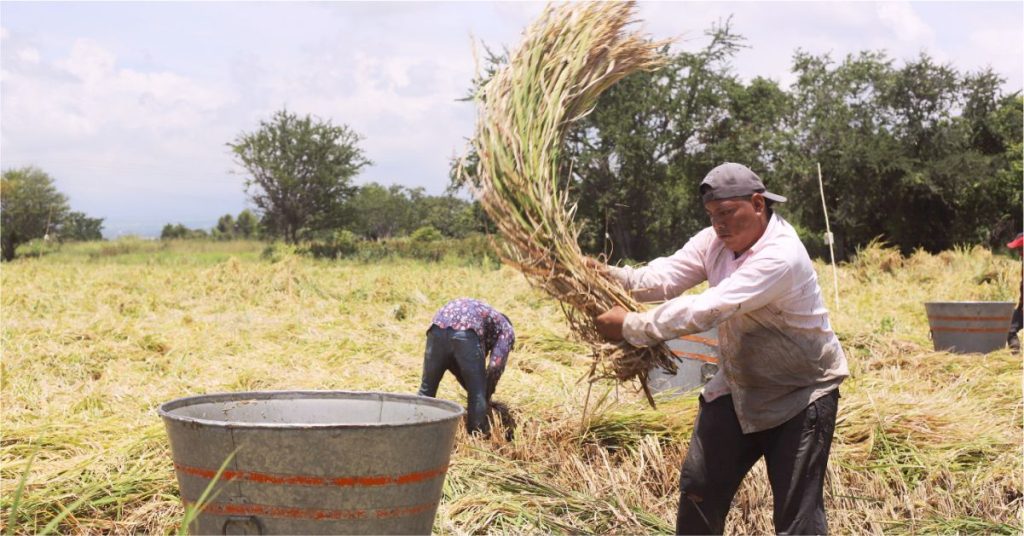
(595, 264)
(609, 323)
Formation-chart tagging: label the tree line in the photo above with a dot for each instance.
(921, 155)
(370, 212)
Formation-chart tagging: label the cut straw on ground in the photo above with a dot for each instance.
(926, 442)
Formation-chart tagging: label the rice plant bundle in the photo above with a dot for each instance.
(569, 56)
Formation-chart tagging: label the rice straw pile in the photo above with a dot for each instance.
(568, 57)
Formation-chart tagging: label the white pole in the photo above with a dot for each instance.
(828, 237)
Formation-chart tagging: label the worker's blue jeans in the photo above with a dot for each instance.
(720, 455)
(460, 352)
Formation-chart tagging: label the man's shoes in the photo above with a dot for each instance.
(1013, 342)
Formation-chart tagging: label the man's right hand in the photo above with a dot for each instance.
(595, 264)
(609, 323)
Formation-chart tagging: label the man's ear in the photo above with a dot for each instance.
(759, 203)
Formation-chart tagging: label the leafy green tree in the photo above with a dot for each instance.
(299, 172)
(637, 159)
(225, 228)
(990, 199)
(169, 232)
(837, 121)
(377, 212)
(246, 224)
(917, 155)
(76, 226)
(426, 234)
(30, 208)
(181, 232)
(451, 216)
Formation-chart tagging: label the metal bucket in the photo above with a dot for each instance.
(312, 462)
(969, 327)
(697, 363)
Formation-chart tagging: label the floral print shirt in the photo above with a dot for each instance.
(493, 328)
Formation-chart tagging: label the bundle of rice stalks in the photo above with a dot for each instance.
(569, 56)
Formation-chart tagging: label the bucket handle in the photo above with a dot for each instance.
(242, 525)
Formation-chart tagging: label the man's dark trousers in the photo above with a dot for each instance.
(720, 455)
(1017, 320)
(460, 352)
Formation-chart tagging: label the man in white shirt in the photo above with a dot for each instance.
(777, 389)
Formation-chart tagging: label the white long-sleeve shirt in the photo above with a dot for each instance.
(777, 350)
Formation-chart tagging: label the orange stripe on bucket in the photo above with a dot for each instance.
(702, 340)
(970, 318)
(970, 330)
(291, 512)
(304, 480)
(701, 357)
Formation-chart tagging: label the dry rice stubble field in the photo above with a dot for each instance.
(926, 441)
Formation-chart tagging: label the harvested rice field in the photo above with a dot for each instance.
(96, 336)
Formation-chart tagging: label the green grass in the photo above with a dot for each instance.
(134, 250)
(927, 442)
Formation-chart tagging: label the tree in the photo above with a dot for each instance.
(638, 157)
(30, 207)
(920, 155)
(171, 232)
(246, 224)
(300, 171)
(990, 202)
(181, 232)
(76, 226)
(225, 228)
(452, 216)
(378, 212)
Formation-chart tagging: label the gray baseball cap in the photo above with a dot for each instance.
(734, 180)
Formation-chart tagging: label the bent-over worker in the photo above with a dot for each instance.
(460, 338)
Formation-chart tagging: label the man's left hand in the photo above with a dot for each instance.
(609, 323)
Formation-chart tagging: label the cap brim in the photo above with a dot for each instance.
(774, 197)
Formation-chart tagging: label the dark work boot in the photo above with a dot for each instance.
(1013, 342)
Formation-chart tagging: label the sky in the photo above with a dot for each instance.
(130, 106)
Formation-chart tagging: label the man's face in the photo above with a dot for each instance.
(738, 221)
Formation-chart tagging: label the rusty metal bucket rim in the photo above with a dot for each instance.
(165, 409)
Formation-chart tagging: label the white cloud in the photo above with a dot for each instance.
(86, 92)
(403, 100)
(88, 61)
(905, 24)
(996, 44)
(116, 139)
(28, 55)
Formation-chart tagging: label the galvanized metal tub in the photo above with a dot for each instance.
(312, 462)
(969, 326)
(697, 362)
